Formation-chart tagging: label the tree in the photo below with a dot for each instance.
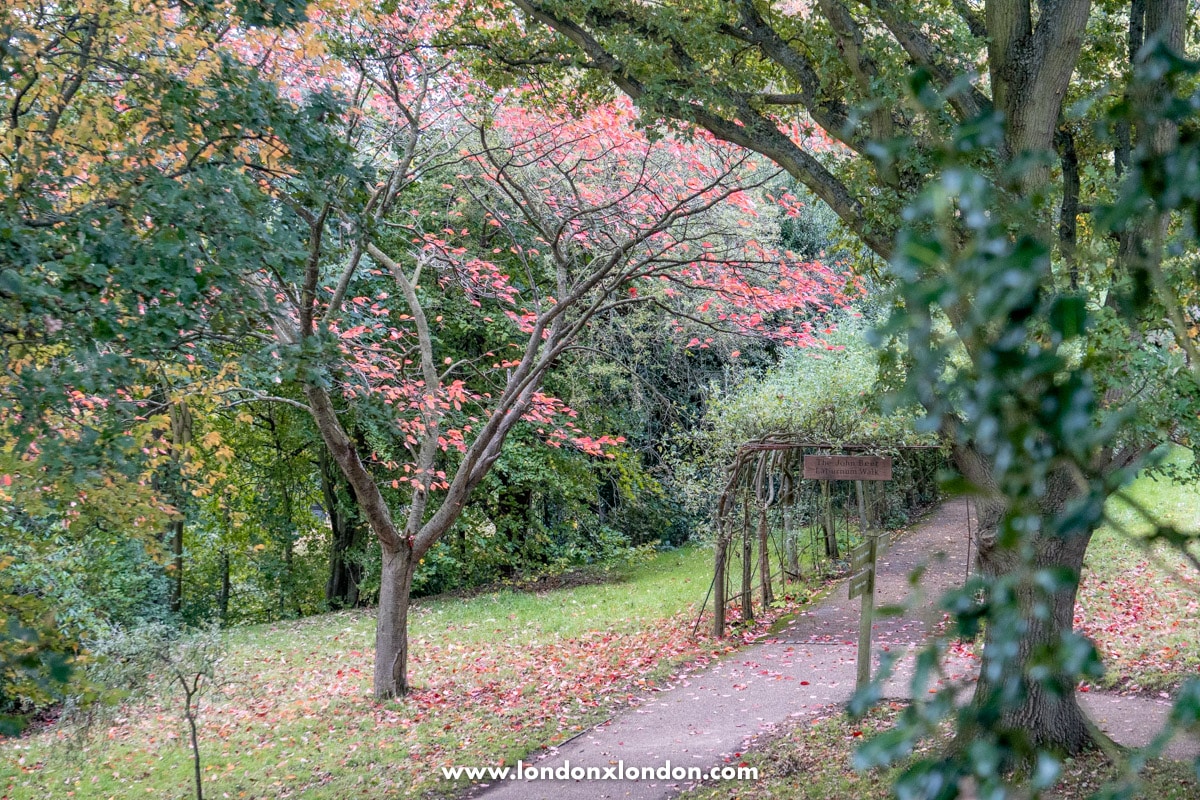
(301, 236)
(153, 664)
(131, 147)
(895, 85)
(530, 229)
(527, 233)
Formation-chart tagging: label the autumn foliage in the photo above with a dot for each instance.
(340, 216)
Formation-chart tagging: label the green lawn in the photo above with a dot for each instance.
(497, 675)
(1143, 607)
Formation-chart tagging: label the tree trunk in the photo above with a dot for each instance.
(395, 579)
(391, 623)
(791, 545)
(345, 573)
(197, 772)
(181, 437)
(287, 586)
(831, 542)
(1046, 712)
(400, 548)
(176, 598)
(223, 597)
(720, 550)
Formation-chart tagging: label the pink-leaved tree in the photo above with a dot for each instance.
(540, 222)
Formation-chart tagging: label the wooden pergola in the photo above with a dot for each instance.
(765, 477)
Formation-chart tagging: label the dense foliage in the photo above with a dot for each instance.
(829, 397)
(267, 284)
(305, 308)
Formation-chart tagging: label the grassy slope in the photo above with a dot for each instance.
(501, 674)
(498, 675)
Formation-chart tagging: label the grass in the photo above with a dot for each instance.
(501, 674)
(812, 761)
(1142, 605)
(496, 675)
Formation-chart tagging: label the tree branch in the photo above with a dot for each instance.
(755, 132)
(968, 102)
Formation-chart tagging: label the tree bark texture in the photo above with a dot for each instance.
(391, 623)
(1047, 712)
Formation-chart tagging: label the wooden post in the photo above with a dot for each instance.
(747, 562)
(764, 558)
(719, 582)
(864, 626)
(867, 617)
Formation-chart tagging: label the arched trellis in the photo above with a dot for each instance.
(765, 492)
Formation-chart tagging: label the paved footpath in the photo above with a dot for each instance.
(700, 719)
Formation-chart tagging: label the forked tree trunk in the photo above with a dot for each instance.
(391, 623)
(395, 578)
(400, 548)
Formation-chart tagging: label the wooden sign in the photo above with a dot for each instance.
(848, 468)
(860, 557)
(861, 585)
